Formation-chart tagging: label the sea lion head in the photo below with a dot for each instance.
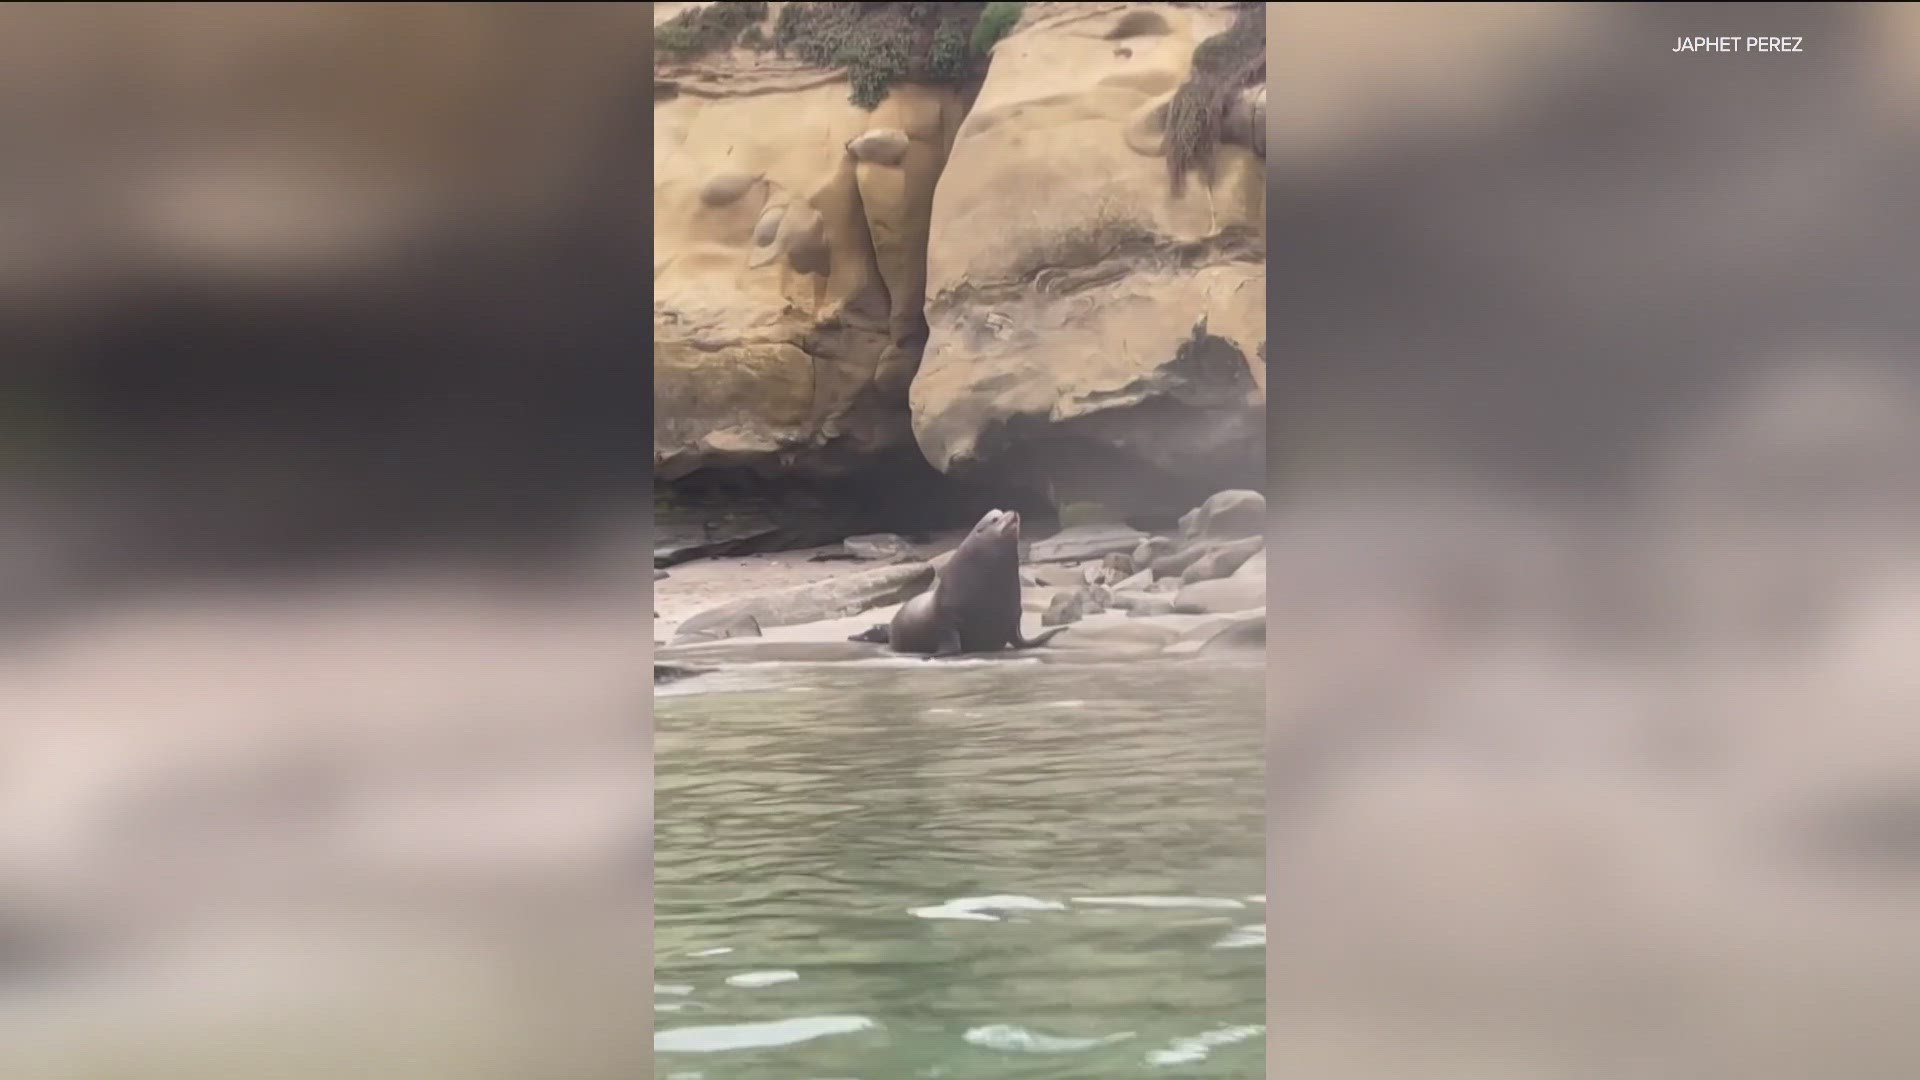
(997, 525)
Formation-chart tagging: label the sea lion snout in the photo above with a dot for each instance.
(999, 525)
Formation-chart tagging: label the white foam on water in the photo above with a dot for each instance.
(1244, 937)
(1190, 1050)
(754, 980)
(1015, 1039)
(922, 662)
(718, 951)
(1209, 903)
(1072, 704)
(1260, 898)
(948, 911)
(677, 991)
(977, 908)
(719, 1038)
(686, 1076)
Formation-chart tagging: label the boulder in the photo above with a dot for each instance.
(1236, 593)
(1085, 542)
(833, 598)
(1227, 515)
(719, 627)
(1174, 564)
(1151, 550)
(1218, 558)
(1107, 573)
(1067, 607)
(1222, 558)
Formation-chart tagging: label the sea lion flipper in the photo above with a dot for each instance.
(878, 634)
(1045, 636)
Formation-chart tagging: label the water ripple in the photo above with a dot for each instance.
(977, 908)
(1195, 1049)
(1015, 1039)
(840, 833)
(717, 1038)
(1207, 903)
(1244, 937)
(754, 980)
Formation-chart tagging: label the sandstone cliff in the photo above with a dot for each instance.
(1087, 325)
(789, 262)
(997, 284)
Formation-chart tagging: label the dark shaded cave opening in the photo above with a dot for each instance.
(1147, 463)
(900, 493)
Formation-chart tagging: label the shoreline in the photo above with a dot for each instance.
(693, 587)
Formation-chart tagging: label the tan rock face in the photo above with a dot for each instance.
(803, 246)
(789, 262)
(1070, 296)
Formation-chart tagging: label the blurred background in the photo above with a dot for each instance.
(1595, 548)
(322, 411)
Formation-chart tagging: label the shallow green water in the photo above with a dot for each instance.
(994, 869)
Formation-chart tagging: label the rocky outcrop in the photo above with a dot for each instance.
(1087, 328)
(810, 283)
(833, 598)
(1243, 590)
(1085, 542)
(1227, 515)
(790, 232)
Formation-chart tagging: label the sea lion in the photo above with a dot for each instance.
(974, 607)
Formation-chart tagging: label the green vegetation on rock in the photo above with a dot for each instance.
(949, 59)
(995, 23)
(1223, 65)
(879, 45)
(715, 26)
